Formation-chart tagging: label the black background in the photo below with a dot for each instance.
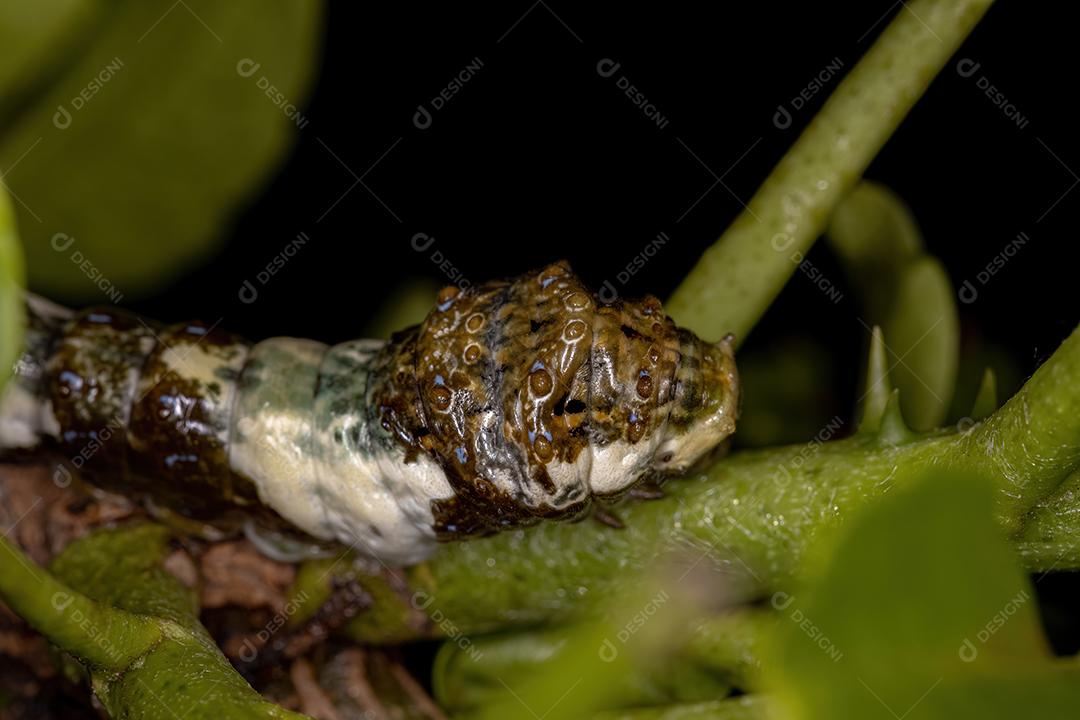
(539, 158)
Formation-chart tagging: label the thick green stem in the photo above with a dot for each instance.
(751, 515)
(110, 604)
(1050, 537)
(737, 278)
(1033, 441)
(11, 290)
(101, 636)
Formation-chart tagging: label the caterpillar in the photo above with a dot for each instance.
(513, 401)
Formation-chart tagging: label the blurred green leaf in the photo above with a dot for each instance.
(745, 707)
(407, 305)
(874, 231)
(923, 332)
(921, 612)
(139, 152)
(11, 293)
(907, 293)
(635, 654)
(468, 676)
(39, 38)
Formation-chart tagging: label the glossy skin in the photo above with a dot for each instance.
(513, 401)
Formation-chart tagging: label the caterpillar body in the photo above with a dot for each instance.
(513, 401)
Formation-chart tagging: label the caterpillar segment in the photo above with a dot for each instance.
(513, 401)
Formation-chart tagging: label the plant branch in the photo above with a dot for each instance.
(752, 515)
(110, 604)
(103, 637)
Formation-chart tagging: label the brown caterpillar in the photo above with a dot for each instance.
(512, 401)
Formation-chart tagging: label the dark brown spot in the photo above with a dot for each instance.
(440, 397)
(644, 385)
(540, 382)
(543, 449)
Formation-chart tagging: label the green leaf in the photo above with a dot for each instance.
(921, 612)
(874, 232)
(470, 674)
(907, 293)
(407, 305)
(746, 707)
(11, 293)
(924, 329)
(39, 38)
(129, 165)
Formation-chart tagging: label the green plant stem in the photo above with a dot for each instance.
(737, 278)
(752, 514)
(1033, 441)
(12, 312)
(1050, 537)
(109, 603)
(103, 637)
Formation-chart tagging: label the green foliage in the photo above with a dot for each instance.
(110, 604)
(753, 512)
(406, 306)
(907, 293)
(11, 295)
(895, 591)
(698, 661)
(934, 623)
(149, 134)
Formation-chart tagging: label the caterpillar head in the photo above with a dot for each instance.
(535, 396)
(705, 405)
